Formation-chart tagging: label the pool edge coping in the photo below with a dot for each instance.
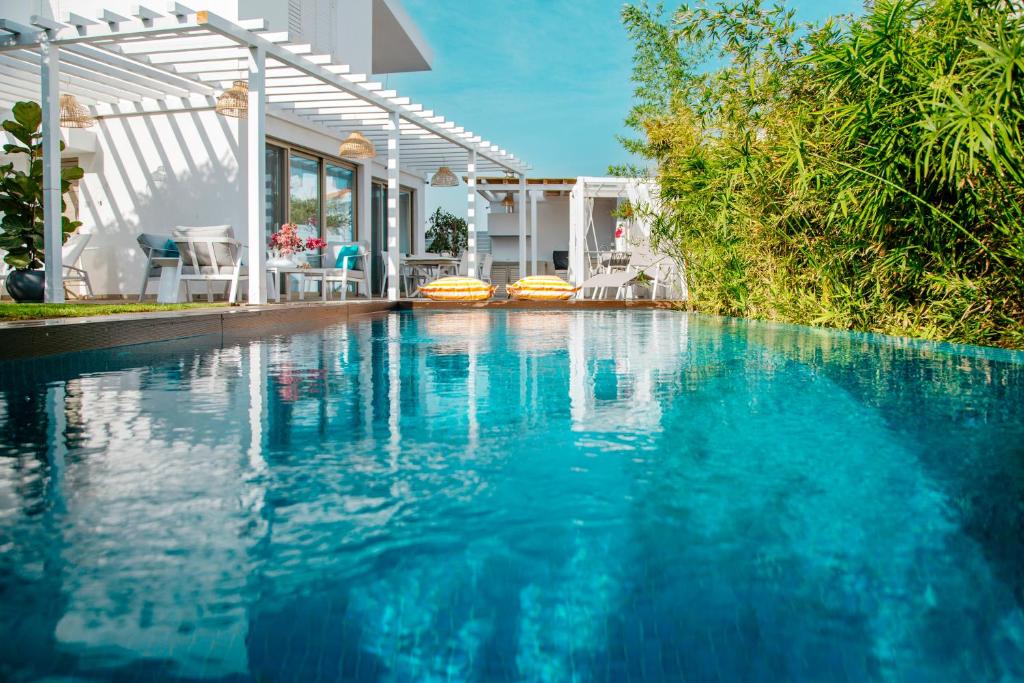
(26, 339)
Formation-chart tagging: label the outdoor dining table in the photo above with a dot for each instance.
(430, 266)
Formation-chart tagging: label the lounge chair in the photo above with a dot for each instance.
(209, 255)
(354, 269)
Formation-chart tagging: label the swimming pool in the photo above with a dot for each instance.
(522, 495)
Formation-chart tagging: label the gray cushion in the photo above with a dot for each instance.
(159, 243)
(189, 238)
(157, 246)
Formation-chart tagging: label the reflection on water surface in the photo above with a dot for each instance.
(515, 496)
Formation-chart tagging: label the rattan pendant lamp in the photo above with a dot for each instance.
(444, 178)
(357, 146)
(74, 114)
(234, 101)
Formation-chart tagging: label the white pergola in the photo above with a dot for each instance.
(179, 60)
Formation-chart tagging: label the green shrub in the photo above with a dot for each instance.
(864, 173)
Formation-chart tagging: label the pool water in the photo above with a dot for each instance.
(522, 496)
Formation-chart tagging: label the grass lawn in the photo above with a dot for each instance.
(39, 311)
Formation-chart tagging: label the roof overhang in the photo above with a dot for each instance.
(180, 60)
(398, 46)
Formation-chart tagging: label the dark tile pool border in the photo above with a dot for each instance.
(38, 338)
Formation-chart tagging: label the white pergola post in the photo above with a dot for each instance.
(53, 236)
(471, 212)
(521, 205)
(394, 134)
(420, 221)
(256, 176)
(533, 233)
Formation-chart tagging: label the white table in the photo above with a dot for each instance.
(432, 264)
(303, 273)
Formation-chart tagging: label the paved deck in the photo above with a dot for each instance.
(36, 338)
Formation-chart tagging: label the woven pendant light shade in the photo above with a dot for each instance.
(444, 178)
(508, 202)
(234, 101)
(356, 146)
(73, 114)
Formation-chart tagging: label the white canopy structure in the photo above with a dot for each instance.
(582, 237)
(180, 60)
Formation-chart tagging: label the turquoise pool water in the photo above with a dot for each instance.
(522, 496)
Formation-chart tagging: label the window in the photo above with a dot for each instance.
(71, 198)
(316, 193)
(304, 194)
(339, 209)
(274, 188)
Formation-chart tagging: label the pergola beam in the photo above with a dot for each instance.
(316, 72)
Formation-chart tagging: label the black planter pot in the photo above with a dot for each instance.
(26, 286)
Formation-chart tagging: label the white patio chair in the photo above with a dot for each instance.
(210, 255)
(483, 271)
(643, 264)
(404, 274)
(69, 255)
(154, 247)
(346, 275)
(486, 262)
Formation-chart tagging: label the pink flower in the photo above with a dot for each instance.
(618, 232)
(287, 240)
(315, 244)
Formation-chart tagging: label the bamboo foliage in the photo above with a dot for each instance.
(864, 173)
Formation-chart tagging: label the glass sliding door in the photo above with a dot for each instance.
(339, 209)
(304, 197)
(406, 238)
(378, 239)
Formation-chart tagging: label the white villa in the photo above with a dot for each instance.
(246, 114)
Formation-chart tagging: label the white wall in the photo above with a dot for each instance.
(153, 173)
(552, 228)
(150, 174)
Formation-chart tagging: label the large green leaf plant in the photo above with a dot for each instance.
(21, 191)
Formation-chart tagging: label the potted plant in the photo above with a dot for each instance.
(286, 243)
(642, 286)
(447, 234)
(21, 202)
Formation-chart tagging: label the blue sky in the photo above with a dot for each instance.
(548, 80)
